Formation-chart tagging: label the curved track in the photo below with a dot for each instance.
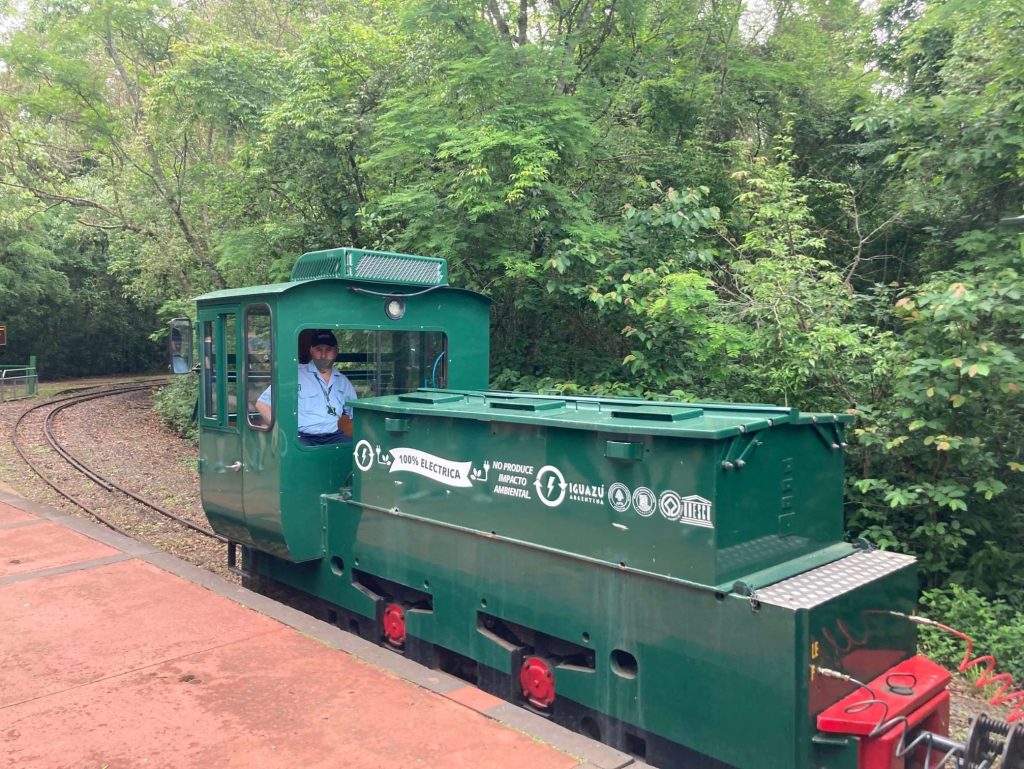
(56, 406)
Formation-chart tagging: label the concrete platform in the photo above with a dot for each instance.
(117, 656)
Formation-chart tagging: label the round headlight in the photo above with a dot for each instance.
(394, 308)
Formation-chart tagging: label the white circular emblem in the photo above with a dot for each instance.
(670, 505)
(619, 497)
(550, 485)
(363, 454)
(644, 501)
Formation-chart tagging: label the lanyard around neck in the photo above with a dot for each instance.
(326, 393)
(325, 390)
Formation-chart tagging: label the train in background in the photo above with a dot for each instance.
(668, 578)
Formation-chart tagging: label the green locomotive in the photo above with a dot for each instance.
(669, 578)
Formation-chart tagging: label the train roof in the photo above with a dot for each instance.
(231, 293)
(386, 269)
(280, 288)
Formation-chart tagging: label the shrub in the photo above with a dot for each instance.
(175, 404)
(995, 627)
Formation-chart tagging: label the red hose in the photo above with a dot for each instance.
(988, 675)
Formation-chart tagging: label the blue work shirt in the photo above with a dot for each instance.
(315, 396)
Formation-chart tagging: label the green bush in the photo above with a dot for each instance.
(176, 405)
(995, 627)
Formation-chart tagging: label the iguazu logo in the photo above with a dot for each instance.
(583, 492)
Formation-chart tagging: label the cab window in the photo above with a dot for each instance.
(259, 357)
(211, 401)
(219, 369)
(392, 362)
(231, 368)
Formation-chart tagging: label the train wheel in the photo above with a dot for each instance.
(538, 682)
(394, 625)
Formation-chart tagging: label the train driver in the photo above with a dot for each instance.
(324, 394)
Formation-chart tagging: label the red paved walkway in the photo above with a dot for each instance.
(108, 661)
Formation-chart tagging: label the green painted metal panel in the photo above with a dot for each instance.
(228, 295)
(705, 497)
(696, 654)
(690, 420)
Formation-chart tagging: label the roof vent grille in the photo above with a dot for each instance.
(372, 267)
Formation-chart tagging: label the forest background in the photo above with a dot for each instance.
(785, 202)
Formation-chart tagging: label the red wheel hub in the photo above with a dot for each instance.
(538, 682)
(394, 624)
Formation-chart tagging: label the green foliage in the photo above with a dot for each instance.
(175, 404)
(940, 456)
(941, 465)
(805, 341)
(60, 303)
(954, 139)
(759, 317)
(664, 306)
(784, 202)
(482, 146)
(996, 627)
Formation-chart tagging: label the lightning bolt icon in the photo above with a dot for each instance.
(550, 492)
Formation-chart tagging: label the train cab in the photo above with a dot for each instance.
(399, 326)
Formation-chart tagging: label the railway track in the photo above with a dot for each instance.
(49, 411)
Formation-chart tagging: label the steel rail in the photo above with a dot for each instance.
(38, 471)
(100, 480)
(69, 458)
(106, 482)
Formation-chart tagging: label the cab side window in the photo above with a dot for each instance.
(259, 363)
(210, 396)
(231, 369)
